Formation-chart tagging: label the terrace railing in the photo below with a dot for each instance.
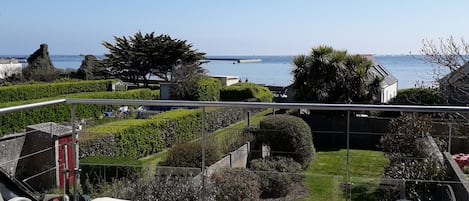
(349, 162)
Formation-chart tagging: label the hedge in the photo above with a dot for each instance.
(17, 121)
(105, 169)
(45, 90)
(288, 136)
(418, 96)
(245, 91)
(209, 89)
(137, 138)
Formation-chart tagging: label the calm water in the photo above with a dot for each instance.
(275, 70)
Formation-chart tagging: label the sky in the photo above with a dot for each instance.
(236, 27)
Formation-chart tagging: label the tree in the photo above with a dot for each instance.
(138, 56)
(453, 57)
(331, 76)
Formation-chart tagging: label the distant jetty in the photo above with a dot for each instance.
(237, 60)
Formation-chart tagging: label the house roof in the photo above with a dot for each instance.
(52, 128)
(454, 76)
(380, 71)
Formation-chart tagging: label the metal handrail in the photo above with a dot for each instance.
(30, 106)
(311, 106)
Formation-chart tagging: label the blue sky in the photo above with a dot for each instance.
(241, 27)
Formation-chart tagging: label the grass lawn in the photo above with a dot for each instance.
(327, 171)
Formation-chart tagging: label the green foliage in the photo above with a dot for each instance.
(331, 76)
(154, 134)
(288, 136)
(405, 134)
(105, 169)
(160, 187)
(245, 91)
(236, 185)
(16, 121)
(45, 90)
(409, 159)
(190, 154)
(164, 130)
(208, 89)
(136, 56)
(418, 96)
(277, 175)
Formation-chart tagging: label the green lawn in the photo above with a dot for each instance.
(327, 171)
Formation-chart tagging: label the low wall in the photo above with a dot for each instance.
(235, 159)
(10, 152)
(460, 185)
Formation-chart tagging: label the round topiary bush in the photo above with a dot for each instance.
(288, 136)
(278, 175)
(236, 185)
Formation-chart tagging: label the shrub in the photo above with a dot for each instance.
(105, 169)
(160, 131)
(16, 121)
(288, 136)
(245, 91)
(236, 185)
(46, 90)
(190, 154)
(167, 188)
(418, 96)
(208, 89)
(277, 175)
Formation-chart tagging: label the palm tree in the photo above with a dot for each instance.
(331, 76)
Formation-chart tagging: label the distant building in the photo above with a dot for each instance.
(455, 86)
(388, 84)
(9, 66)
(226, 80)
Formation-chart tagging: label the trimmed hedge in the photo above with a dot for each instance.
(209, 89)
(137, 138)
(288, 136)
(190, 155)
(45, 90)
(418, 96)
(17, 121)
(245, 91)
(105, 169)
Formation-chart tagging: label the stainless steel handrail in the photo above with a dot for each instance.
(30, 106)
(311, 106)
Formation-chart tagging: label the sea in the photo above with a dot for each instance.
(410, 70)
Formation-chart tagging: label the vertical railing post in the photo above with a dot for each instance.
(204, 175)
(450, 135)
(65, 171)
(75, 154)
(347, 185)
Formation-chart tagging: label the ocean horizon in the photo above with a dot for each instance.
(410, 70)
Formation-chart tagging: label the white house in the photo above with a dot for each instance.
(388, 84)
(8, 67)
